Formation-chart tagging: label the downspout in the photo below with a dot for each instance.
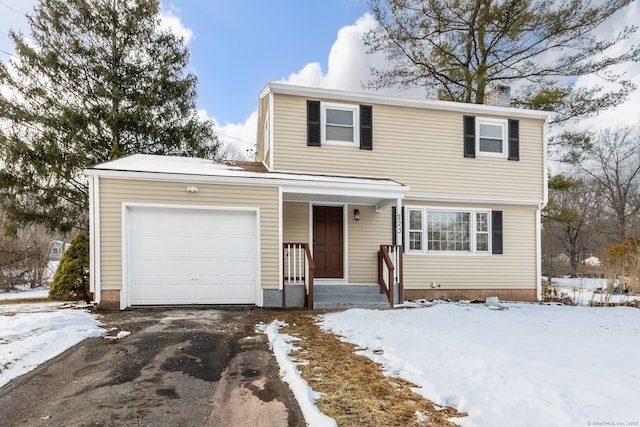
(545, 200)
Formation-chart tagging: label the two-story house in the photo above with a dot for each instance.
(354, 198)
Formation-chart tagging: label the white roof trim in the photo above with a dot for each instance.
(374, 98)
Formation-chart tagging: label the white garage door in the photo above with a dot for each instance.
(191, 256)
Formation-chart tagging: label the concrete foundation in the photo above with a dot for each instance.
(271, 298)
(109, 300)
(472, 294)
(294, 296)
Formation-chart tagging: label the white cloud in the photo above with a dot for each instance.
(239, 139)
(349, 64)
(173, 23)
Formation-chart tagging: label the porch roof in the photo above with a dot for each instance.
(298, 187)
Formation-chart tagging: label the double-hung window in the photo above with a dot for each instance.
(339, 124)
(434, 230)
(416, 235)
(482, 232)
(491, 137)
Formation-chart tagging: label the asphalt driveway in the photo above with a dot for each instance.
(178, 367)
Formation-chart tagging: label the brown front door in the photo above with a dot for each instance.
(328, 242)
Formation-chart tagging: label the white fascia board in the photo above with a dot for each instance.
(346, 191)
(372, 98)
(478, 200)
(288, 184)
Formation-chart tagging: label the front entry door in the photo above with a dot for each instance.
(328, 245)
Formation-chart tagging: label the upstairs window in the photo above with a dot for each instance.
(491, 139)
(340, 124)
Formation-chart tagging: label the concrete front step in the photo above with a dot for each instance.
(345, 289)
(348, 296)
(344, 306)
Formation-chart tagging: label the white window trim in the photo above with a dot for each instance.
(425, 244)
(409, 230)
(495, 122)
(474, 227)
(355, 109)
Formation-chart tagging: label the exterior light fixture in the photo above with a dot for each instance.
(356, 214)
(192, 189)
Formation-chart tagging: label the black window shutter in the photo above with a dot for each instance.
(514, 140)
(366, 127)
(469, 136)
(313, 123)
(496, 232)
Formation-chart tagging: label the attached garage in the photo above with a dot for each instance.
(174, 231)
(190, 255)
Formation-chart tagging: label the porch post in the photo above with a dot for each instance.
(399, 229)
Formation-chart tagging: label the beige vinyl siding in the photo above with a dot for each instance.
(295, 222)
(365, 237)
(417, 147)
(114, 192)
(514, 269)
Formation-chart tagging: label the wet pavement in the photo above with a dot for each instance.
(178, 367)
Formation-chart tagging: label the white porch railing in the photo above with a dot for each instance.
(298, 268)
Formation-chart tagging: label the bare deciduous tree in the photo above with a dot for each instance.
(569, 217)
(611, 158)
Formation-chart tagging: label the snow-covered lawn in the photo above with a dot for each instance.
(522, 365)
(31, 334)
(37, 293)
(582, 291)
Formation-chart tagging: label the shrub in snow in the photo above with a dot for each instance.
(71, 281)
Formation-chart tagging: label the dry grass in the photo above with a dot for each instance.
(354, 390)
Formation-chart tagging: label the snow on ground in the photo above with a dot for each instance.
(37, 293)
(518, 365)
(31, 334)
(281, 346)
(583, 290)
(25, 291)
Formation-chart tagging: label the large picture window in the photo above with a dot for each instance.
(449, 231)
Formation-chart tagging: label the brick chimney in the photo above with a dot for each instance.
(499, 96)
